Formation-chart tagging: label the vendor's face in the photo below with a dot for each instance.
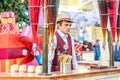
(65, 27)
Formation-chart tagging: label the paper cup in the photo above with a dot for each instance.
(14, 68)
(31, 69)
(38, 69)
(22, 68)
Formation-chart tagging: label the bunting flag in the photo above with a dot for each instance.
(118, 24)
(34, 9)
(112, 6)
(52, 13)
(103, 17)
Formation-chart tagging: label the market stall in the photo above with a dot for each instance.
(29, 47)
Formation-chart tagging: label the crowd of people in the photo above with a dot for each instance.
(88, 46)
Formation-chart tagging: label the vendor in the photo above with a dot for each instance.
(62, 38)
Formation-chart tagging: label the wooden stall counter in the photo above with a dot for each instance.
(81, 74)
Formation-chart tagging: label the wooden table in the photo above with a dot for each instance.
(81, 74)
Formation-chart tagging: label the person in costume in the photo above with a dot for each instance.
(62, 38)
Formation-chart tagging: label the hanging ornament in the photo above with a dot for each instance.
(5, 3)
(23, 24)
(20, 25)
(34, 15)
(25, 13)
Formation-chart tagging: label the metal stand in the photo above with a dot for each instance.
(111, 63)
(45, 43)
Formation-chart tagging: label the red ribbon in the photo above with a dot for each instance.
(27, 39)
(10, 46)
(34, 9)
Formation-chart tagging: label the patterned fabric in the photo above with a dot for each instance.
(9, 28)
(8, 14)
(5, 28)
(78, 48)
